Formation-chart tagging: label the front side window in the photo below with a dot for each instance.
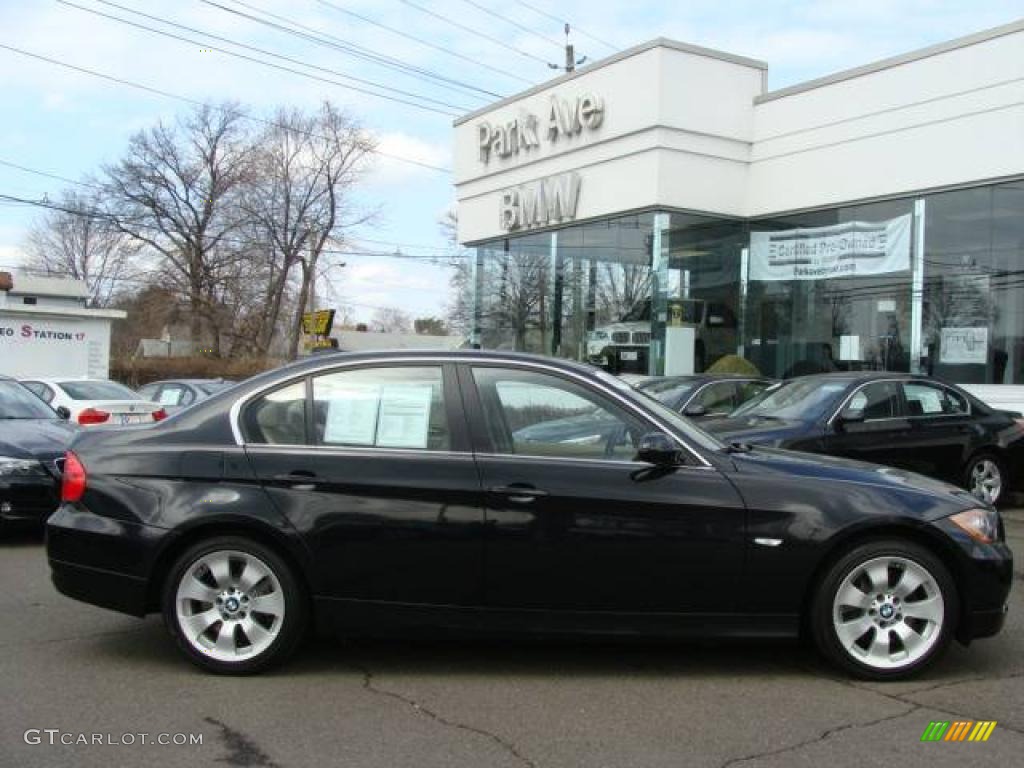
(173, 394)
(17, 402)
(879, 400)
(932, 400)
(536, 414)
(398, 407)
(717, 398)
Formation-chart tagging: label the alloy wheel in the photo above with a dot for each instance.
(888, 612)
(229, 605)
(986, 480)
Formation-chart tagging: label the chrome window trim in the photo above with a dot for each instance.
(585, 460)
(353, 450)
(236, 407)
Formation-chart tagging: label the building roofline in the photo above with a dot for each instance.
(894, 61)
(658, 42)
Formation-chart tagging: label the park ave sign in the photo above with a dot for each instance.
(564, 119)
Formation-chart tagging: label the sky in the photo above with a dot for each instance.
(467, 53)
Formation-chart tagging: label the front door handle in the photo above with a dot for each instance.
(520, 494)
(298, 479)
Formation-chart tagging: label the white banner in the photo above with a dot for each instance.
(853, 249)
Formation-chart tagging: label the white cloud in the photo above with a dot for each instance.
(389, 170)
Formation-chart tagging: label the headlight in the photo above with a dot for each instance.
(11, 467)
(980, 524)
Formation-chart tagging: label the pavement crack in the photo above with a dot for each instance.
(242, 750)
(824, 735)
(370, 685)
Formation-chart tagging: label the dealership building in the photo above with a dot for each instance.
(661, 208)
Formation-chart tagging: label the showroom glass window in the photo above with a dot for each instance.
(973, 293)
(537, 414)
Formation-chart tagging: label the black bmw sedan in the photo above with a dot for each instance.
(33, 442)
(900, 420)
(388, 492)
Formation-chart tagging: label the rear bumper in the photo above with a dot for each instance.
(100, 560)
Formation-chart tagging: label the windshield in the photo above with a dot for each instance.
(685, 427)
(799, 399)
(18, 402)
(98, 390)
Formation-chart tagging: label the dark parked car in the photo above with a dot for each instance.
(390, 492)
(33, 442)
(706, 395)
(181, 393)
(900, 420)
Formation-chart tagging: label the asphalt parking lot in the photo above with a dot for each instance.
(455, 702)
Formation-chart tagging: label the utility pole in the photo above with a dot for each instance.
(571, 62)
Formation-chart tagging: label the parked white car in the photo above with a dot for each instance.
(96, 401)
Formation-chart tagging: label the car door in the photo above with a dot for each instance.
(941, 432)
(574, 522)
(870, 426)
(372, 465)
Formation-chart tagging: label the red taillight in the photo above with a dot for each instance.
(93, 416)
(159, 415)
(72, 485)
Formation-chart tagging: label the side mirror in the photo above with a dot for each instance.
(695, 411)
(659, 449)
(850, 417)
(63, 412)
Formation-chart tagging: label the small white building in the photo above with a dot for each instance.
(46, 329)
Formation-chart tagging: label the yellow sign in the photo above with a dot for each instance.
(318, 323)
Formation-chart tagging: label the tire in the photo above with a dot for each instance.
(901, 634)
(985, 476)
(248, 577)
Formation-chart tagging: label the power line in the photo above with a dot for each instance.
(427, 43)
(544, 13)
(267, 63)
(103, 216)
(198, 103)
(478, 33)
(514, 23)
(331, 41)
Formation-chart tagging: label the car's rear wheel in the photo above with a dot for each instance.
(234, 606)
(886, 609)
(985, 477)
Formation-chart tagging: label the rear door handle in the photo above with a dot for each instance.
(520, 494)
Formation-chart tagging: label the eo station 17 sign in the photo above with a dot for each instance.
(31, 347)
(853, 249)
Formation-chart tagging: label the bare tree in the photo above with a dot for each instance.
(71, 240)
(318, 186)
(459, 311)
(175, 191)
(391, 320)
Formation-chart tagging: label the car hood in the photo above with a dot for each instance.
(42, 439)
(832, 471)
(756, 430)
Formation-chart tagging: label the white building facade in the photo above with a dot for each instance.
(660, 209)
(47, 330)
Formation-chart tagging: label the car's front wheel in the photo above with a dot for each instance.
(886, 609)
(233, 605)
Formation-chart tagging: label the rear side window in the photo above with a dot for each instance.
(278, 417)
(40, 389)
(932, 400)
(396, 407)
